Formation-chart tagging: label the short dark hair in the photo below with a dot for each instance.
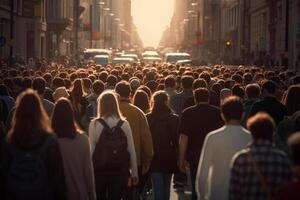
(98, 87)
(199, 83)
(187, 82)
(252, 91)
(269, 86)
(39, 85)
(261, 126)
(123, 89)
(294, 144)
(112, 80)
(170, 82)
(232, 108)
(201, 95)
(237, 90)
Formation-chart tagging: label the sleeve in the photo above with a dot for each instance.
(88, 170)
(146, 141)
(184, 125)
(56, 175)
(235, 184)
(253, 110)
(94, 134)
(203, 168)
(131, 149)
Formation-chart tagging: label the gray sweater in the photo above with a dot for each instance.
(78, 168)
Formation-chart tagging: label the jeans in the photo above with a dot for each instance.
(161, 185)
(111, 186)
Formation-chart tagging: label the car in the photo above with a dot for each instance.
(150, 54)
(175, 57)
(186, 62)
(91, 53)
(101, 59)
(133, 56)
(149, 60)
(122, 60)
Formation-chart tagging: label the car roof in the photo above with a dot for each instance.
(177, 54)
(101, 56)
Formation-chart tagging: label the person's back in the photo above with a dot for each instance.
(77, 167)
(229, 139)
(271, 106)
(139, 127)
(259, 170)
(269, 103)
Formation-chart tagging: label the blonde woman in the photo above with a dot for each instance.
(114, 156)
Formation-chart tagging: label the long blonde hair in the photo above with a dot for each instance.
(108, 105)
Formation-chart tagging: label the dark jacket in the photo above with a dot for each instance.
(271, 106)
(285, 129)
(52, 158)
(164, 131)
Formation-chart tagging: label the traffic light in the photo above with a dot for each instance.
(228, 43)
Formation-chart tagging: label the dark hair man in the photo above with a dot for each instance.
(270, 104)
(196, 122)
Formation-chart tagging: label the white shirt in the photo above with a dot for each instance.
(95, 130)
(212, 181)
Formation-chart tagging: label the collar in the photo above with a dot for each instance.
(260, 143)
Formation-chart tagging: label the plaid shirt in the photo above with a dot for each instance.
(273, 164)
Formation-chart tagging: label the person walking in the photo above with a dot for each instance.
(229, 139)
(259, 170)
(113, 150)
(163, 126)
(196, 122)
(290, 190)
(32, 161)
(76, 154)
(140, 132)
(79, 102)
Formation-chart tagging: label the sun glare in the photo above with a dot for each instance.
(151, 18)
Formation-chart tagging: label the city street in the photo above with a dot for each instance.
(111, 99)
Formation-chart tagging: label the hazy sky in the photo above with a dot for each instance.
(151, 18)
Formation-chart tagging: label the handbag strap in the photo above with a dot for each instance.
(260, 175)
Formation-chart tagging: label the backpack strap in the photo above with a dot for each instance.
(102, 121)
(119, 124)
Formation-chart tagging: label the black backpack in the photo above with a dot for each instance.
(111, 154)
(27, 176)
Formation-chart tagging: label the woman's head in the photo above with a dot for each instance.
(292, 99)
(141, 100)
(160, 102)
(108, 105)
(78, 91)
(29, 117)
(63, 123)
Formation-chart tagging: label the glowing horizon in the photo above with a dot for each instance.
(151, 18)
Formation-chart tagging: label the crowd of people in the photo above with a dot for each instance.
(114, 132)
